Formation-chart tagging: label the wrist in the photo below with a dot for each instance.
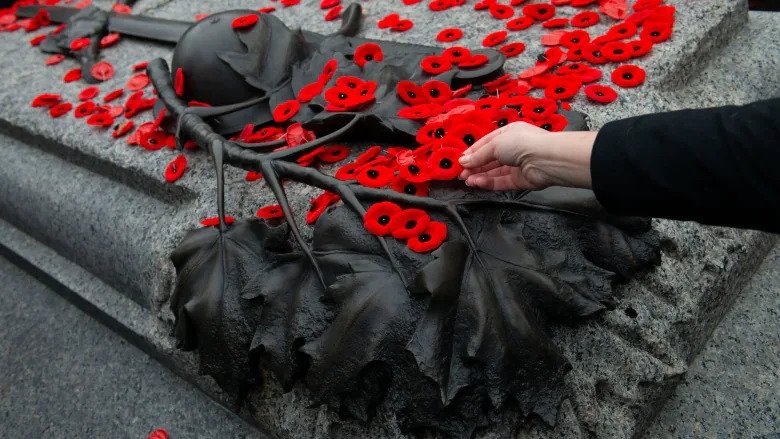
(563, 158)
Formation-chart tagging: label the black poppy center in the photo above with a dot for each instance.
(383, 220)
(542, 11)
(599, 93)
(369, 57)
(445, 163)
(351, 85)
(502, 122)
(539, 110)
(435, 65)
(575, 40)
(439, 133)
(541, 58)
(434, 93)
(414, 169)
(560, 90)
(574, 67)
(373, 173)
(628, 75)
(424, 237)
(410, 224)
(597, 53)
(410, 189)
(655, 34)
(152, 141)
(469, 139)
(342, 95)
(547, 126)
(617, 51)
(622, 31)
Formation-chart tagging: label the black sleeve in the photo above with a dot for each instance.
(715, 166)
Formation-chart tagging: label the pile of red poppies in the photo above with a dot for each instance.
(573, 61)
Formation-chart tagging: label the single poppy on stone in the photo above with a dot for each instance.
(379, 216)
(409, 223)
(494, 38)
(500, 11)
(102, 71)
(46, 100)
(539, 11)
(176, 168)
(430, 239)
(435, 65)
(84, 109)
(456, 54)
(333, 13)
(449, 35)
(617, 51)
(273, 211)
(512, 49)
(443, 164)
(333, 154)
(520, 23)
(244, 21)
(538, 109)
(475, 61)
(214, 221)
(600, 93)
(368, 52)
(60, 109)
(628, 76)
(286, 110)
(375, 176)
(585, 19)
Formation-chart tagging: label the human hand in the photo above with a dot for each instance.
(523, 156)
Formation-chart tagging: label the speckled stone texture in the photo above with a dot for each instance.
(732, 387)
(96, 218)
(66, 375)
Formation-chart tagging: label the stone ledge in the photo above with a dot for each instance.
(624, 366)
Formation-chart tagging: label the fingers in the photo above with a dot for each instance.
(480, 156)
(501, 183)
(480, 169)
(496, 172)
(482, 141)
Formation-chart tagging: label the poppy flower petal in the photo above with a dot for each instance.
(175, 168)
(286, 110)
(409, 223)
(628, 76)
(379, 216)
(449, 35)
(430, 239)
(600, 93)
(244, 21)
(270, 212)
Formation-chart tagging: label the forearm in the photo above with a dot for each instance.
(564, 157)
(716, 166)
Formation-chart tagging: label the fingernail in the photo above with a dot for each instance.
(464, 159)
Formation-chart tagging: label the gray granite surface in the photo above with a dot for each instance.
(64, 375)
(732, 388)
(101, 211)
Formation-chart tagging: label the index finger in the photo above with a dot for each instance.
(479, 157)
